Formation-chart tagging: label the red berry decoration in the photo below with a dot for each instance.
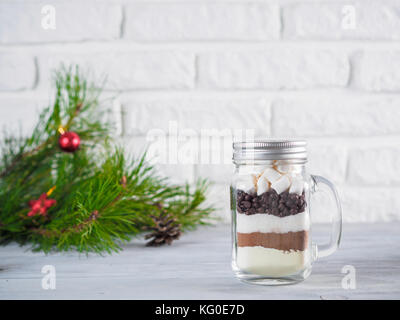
(69, 141)
(41, 205)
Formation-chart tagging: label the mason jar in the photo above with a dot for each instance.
(271, 195)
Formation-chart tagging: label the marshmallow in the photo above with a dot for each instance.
(262, 186)
(287, 168)
(281, 184)
(297, 185)
(246, 183)
(271, 175)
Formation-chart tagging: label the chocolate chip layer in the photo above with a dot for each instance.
(280, 241)
(270, 202)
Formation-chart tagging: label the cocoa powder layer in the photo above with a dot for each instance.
(280, 241)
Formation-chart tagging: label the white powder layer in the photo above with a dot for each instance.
(271, 262)
(262, 222)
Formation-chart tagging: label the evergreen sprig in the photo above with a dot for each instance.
(103, 198)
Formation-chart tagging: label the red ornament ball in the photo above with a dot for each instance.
(69, 141)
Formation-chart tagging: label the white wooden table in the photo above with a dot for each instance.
(198, 267)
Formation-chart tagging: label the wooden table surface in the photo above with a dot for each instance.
(198, 267)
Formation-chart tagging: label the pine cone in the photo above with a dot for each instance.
(165, 230)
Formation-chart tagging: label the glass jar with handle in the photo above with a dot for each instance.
(271, 193)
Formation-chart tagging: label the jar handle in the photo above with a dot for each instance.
(320, 184)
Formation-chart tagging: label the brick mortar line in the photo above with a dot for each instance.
(352, 143)
(156, 94)
(36, 81)
(218, 44)
(208, 2)
(122, 22)
(262, 92)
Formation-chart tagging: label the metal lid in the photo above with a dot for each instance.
(270, 149)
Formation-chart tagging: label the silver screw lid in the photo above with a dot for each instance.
(270, 149)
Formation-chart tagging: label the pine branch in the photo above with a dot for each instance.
(103, 200)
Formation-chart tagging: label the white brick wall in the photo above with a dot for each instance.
(17, 71)
(377, 71)
(298, 68)
(142, 115)
(337, 116)
(202, 21)
(375, 20)
(20, 22)
(273, 69)
(128, 70)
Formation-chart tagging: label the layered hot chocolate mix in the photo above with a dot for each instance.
(272, 223)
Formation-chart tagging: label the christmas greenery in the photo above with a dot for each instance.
(102, 197)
